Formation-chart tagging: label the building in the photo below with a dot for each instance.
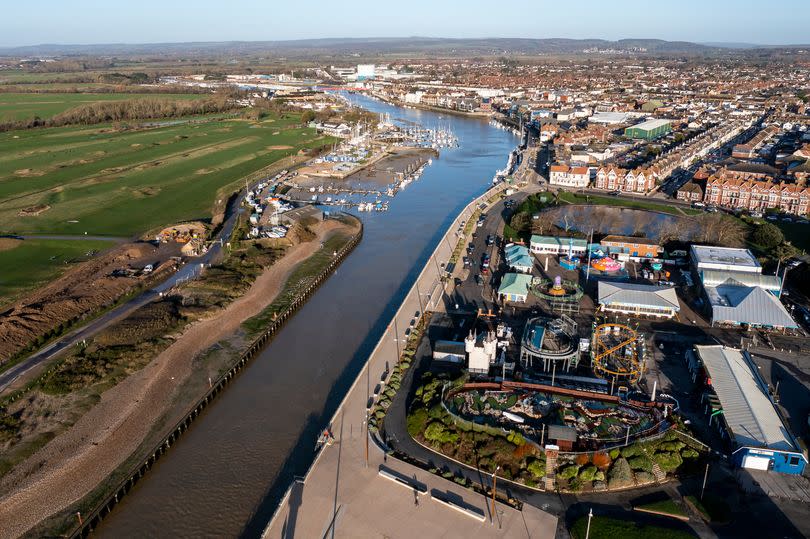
(578, 177)
(482, 351)
(366, 71)
(707, 257)
(756, 192)
(609, 118)
(649, 130)
(630, 248)
(557, 246)
(638, 299)
(771, 283)
(759, 437)
(518, 258)
(736, 305)
(690, 192)
(628, 181)
(515, 287)
(450, 353)
(305, 215)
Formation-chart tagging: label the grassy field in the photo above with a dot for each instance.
(123, 183)
(668, 507)
(28, 105)
(573, 198)
(35, 261)
(610, 528)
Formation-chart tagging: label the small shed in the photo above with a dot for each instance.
(562, 436)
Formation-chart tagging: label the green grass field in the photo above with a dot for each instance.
(36, 261)
(122, 183)
(611, 528)
(573, 198)
(28, 105)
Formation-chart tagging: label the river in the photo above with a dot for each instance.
(227, 473)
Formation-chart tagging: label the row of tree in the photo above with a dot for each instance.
(131, 109)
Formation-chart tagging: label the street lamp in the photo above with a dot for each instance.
(588, 529)
(494, 482)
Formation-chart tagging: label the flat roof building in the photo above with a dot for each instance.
(707, 257)
(556, 245)
(649, 130)
(760, 439)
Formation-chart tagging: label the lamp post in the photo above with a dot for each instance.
(588, 529)
(494, 482)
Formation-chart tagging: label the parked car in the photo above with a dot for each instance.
(479, 280)
(466, 262)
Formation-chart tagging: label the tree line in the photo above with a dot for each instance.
(117, 111)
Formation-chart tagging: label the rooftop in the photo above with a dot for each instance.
(554, 240)
(515, 283)
(747, 408)
(707, 254)
(639, 295)
(649, 125)
(747, 305)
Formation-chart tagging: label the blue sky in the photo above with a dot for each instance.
(28, 22)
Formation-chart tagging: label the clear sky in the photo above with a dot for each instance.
(29, 22)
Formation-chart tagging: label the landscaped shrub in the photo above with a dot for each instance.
(523, 451)
(667, 461)
(599, 476)
(438, 433)
(644, 477)
(601, 460)
(515, 438)
(620, 474)
(640, 462)
(575, 485)
(671, 446)
(689, 453)
(416, 421)
(614, 454)
(587, 473)
(511, 401)
(568, 472)
(629, 451)
(537, 468)
(582, 459)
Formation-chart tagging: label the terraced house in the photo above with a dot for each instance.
(756, 193)
(628, 181)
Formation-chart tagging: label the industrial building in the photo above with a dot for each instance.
(649, 130)
(738, 399)
(638, 299)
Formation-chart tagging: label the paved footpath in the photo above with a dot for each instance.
(344, 495)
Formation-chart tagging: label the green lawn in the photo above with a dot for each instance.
(668, 507)
(23, 106)
(36, 261)
(713, 508)
(122, 183)
(574, 198)
(612, 528)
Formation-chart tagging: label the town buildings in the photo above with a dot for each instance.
(756, 192)
(565, 176)
(649, 130)
(628, 181)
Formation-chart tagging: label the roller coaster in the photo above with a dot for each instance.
(615, 353)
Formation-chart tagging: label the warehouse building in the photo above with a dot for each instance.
(649, 130)
(638, 299)
(707, 257)
(741, 405)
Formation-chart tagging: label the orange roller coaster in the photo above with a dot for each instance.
(614, 353)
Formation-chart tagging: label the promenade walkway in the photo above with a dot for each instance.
(344, 495)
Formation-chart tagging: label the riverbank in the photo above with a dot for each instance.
(440, 110)
(70, 466)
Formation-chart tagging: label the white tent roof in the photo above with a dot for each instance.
(747, 305)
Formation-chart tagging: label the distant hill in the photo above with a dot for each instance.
(367, 46)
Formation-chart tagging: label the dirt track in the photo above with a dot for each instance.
(76, 461)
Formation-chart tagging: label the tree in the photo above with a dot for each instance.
(520, 221)
(543, 224)
(767, 235)
(307, 117)
(783, 251)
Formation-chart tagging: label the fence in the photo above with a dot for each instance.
(104, 508)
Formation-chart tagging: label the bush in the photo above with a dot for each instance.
(601, 460)
(671, 446)
(582, 459)
(644, 477)
(588, 473)
(438, 433)
(689, 453)
(640, 462)
(629, 451)
(599, 475)
(568, 472)
(416, 421)
(614, 454)
(537, 468)
(620, 474)
(575, 485)
(515, 438)
(668, 462)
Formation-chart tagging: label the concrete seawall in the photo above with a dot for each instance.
(426, 294)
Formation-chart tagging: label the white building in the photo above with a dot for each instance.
(366, 71)
(564, 175)
(707, 257)
(481, 351)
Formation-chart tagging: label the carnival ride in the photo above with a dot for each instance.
(615, 353)
(561, 294)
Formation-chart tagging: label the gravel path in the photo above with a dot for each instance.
(74, 462)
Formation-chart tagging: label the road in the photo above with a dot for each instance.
(186, 272)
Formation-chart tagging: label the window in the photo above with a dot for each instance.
(794, 461)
